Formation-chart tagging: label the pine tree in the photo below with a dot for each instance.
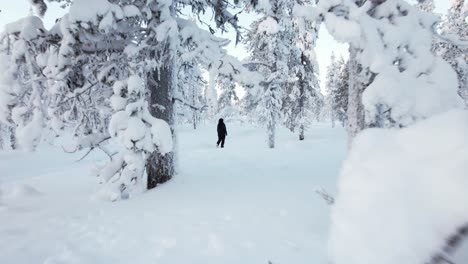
(227, 96)
(278, 49)
(339, 93)
(267, 48)
(331, 86)
(303, 101)
(188, 98)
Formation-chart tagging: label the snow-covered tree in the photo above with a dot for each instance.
(189, 99)
(339, 93)
(227, 97)
(302, 101)
(154, 54)
(267, 48)
(331, 86)
(456, 26)
(140, 134)
(279, 48)
(22, 84)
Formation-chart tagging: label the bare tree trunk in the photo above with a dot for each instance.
(13, 143)
(194, 115)
(194, 120)
(301, 132)
(271, 127)
(160, 168)
(302, 88)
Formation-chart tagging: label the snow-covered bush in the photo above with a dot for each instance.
(139, 133)
(402, 193)
(22, 84)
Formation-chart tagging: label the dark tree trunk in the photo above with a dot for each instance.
(301, 133)
(194, 114)
(302, 88)
(271, 128)
(13, 143)
(2, 136)
(194, 120)
(160, 168)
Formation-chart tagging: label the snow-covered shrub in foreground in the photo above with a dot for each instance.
(139, 133)
(399, 202)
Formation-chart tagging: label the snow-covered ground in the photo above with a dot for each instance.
(242, 204)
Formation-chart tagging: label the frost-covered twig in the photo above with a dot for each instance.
(93, 146)
(452, 244)
(77, 94)
(110, 155)
(325, 195)
(454, 40)
(189, 105)
(251, 64)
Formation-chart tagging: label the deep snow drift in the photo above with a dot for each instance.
(245, 203)
(402, 193)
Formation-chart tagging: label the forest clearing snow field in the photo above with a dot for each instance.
(245, 203)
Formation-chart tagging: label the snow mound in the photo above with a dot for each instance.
(402, 193)
(268, 26)
(80, 10)
(28, 28)
(19, 191)
(412, 98)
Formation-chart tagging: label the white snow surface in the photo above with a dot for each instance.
(244, 203)
(402, 193)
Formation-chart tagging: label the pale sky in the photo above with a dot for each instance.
(12, 10)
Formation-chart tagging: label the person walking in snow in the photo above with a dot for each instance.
(222, 133)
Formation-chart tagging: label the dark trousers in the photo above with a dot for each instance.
(221, 140)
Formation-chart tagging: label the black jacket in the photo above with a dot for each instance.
(222, 132)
